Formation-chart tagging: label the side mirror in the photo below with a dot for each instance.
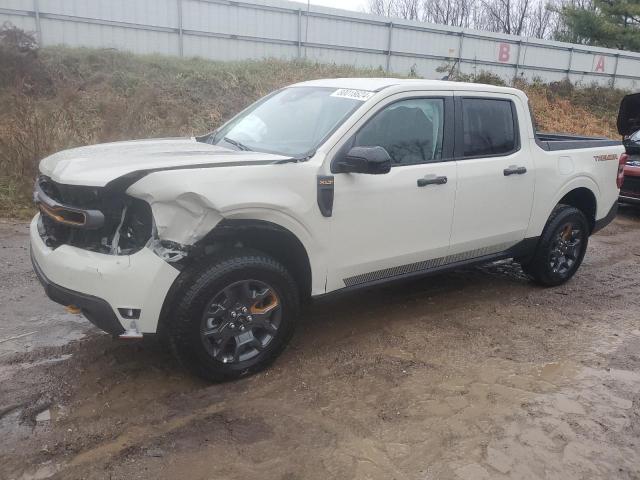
(371, 160)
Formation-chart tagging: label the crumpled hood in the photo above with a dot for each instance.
(97, 165)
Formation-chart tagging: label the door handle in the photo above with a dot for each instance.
(432, 180)
(514, 170)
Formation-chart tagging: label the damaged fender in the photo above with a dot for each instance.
(187, 206)
(183, 220)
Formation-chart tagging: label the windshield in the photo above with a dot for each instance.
(292, 122)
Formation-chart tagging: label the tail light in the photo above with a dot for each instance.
(623, 161)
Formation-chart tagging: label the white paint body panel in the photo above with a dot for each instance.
(383, 221)
(379, 221)
(97, 165)
(139, 281)
(492, 209)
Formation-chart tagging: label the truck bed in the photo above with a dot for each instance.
(558, 141)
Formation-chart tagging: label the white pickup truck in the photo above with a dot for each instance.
(324, 186)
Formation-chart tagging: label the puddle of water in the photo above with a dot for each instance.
(44, 471)
(556, 370)
(11, 429)
(47, 361)
(52, 330)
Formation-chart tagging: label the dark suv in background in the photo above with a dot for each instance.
(630, 190)
(629, 127)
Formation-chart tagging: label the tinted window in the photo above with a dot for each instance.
(410, 130)
(488, 127)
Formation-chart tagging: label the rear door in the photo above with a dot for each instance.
(495, 174)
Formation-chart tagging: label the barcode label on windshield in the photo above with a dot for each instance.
(353, 94)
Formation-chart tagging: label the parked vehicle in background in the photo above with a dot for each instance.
(629, 127)
(630, 190)
(323, 186)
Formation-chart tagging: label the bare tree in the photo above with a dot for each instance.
(506, 16)
(532, 18)
(408, 9)
(542, 21)
(456, 13)
(385, 8)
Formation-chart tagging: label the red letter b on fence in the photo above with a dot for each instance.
(504, 52)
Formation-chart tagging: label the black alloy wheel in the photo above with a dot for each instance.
(561, 247)
(240, 321)
(566, 249)
(233, 314)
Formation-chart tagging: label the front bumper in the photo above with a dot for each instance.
(95, 309)
(100, 284)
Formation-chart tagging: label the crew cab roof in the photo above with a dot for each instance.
(377, 84)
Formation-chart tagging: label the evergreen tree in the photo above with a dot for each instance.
(603, 23)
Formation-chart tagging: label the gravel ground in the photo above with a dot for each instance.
(474, 374)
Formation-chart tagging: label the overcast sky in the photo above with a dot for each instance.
(357, 5)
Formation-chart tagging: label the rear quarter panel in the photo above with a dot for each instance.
(560, 172)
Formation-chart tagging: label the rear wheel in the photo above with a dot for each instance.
(234, 316)
(561, 247)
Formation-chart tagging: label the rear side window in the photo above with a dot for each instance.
(489, 127)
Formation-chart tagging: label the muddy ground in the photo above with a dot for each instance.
(472, 375)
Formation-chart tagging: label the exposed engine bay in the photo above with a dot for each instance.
(126, 226)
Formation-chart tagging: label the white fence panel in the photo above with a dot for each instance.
(254, 29)
(162, 13)
(24, 5)
(206, 17)
(57, 32)
(344, 33)
(424, 42)
(216, 48)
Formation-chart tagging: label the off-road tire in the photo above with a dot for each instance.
(539, 267)
(184, 323)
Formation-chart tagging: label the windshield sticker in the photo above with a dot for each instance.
(353, 94)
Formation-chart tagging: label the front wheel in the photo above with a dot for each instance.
(234, 316)
(561, 247)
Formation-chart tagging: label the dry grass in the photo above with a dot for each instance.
(563, 108)
(71, 97)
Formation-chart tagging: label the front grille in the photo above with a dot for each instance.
(135, 230)
(630, 186)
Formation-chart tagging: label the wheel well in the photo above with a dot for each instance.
(584, 200)
(267, 237)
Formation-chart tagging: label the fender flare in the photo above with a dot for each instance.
(272, 219)
(572, 184)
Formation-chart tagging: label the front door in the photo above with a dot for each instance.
(395, 224)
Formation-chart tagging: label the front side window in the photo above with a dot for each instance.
(411, 131)
(293, 121)
(488, 127)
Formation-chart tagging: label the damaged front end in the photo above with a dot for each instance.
(98, 219)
